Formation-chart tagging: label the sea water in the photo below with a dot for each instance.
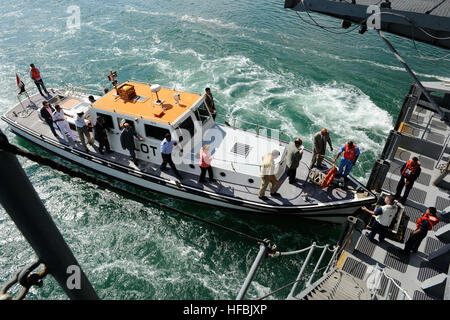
(263, 64)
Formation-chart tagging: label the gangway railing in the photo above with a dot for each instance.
(375, 288)
(271, 251)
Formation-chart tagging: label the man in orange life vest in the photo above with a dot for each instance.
(36, 76)
(423, 225)
(350, 153)
(410, 171)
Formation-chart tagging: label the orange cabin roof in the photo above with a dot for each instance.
(167, 112)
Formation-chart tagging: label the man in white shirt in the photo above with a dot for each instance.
(83, 130)
(383, 218)
(63, 125)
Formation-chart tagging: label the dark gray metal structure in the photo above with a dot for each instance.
(26, 209)
(426, 21)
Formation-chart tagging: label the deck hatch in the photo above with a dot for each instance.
(241, 149)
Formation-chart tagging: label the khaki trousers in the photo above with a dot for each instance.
(84, 132)
(265, 180)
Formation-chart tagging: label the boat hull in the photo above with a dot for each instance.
(330, 212)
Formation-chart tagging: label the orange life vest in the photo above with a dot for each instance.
(350, 154)
(35, 73)
(431, 219)
(329, 177)
(410, 170)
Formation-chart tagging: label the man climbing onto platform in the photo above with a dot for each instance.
(36, 76)
(350, 154)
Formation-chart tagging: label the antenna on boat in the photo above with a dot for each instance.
(155, 88)
(177, 98)
(112, 77)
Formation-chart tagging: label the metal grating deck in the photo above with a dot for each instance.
(442, 203)
(427, 270)
(419, 295)
(432, 245)
(435, 137)
(426, 162)
(413, 213)
(365, 246)
(355, 268)
(393, 290)
(424, 179)
(396, 260)
(417, 195)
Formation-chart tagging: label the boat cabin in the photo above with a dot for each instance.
(237, 153)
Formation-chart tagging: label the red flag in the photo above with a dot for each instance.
(19, 83)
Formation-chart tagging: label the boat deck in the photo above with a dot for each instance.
(291, 195)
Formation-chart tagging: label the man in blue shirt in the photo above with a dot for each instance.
(350, 153)
(166, 154)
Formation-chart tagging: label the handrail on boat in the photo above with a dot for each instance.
(257, 127)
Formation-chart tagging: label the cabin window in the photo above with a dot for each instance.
(188, 125)
(121, 121)
(108, 120)
(157, 133)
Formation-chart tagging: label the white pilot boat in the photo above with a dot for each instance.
(237, 152)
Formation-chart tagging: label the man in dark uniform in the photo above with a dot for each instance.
(209, 101)
(127, 140)
(423, 224)
(410, 171)
(46, 113)
(101, 136)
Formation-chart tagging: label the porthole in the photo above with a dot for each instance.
(223, 174)
(191, 166)
(251, 180)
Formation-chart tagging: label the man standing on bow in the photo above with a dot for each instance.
(36, 77)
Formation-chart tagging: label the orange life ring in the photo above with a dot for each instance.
(329, 177)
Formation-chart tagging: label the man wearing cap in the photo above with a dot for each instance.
(320, 147)
(83, 130)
